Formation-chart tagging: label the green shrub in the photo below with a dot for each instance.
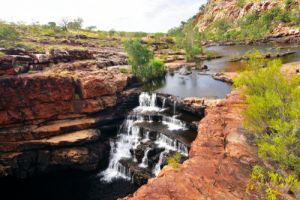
(8, 35)
(295, 17)
(272, 115)
(125, 70)
(288, 3)
(241, 3)
(210, 54)
(271, 185)
(174, 160)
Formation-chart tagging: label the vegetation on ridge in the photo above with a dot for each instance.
(187, 37)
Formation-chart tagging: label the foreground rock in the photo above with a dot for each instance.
(219, 161)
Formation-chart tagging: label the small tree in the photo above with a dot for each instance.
(191, 41)
(52, 25)
(142, 62)
(111, 32)
(64, 24)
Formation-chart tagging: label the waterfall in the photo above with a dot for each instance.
(146, 137)
(164, 103)
(171, 144)
(135, 131)
(157, 168)
(144, 163)
(120, 149)
(174, 108)
(173, 123)
(147, 103)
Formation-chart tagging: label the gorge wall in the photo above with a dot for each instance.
(232, 11)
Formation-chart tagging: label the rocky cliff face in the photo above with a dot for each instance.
(233, 10)
(52, 119)
(219, 161)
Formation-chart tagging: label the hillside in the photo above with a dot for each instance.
(254, 19)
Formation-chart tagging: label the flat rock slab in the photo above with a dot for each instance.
(70, 139)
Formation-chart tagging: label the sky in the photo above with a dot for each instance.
(121, 15)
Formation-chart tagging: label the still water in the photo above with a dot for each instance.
(197, 84)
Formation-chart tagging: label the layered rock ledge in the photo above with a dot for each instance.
(219, 161)
(60, 118)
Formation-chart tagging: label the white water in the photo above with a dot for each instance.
(144, 163)
(174, 108)
(130, 137)
(147, 103)
(164, 103)
(146, 137)
(120, 149)
(173, 123)
(168, 143)
(157, 169)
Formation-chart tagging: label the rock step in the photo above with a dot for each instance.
(69, 139)
(156, 129)
(139, 175)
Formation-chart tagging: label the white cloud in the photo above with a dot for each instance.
(127, 15)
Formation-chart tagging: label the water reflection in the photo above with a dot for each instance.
(155, 84)
(194, 84)
(228, 52)
(198, 84)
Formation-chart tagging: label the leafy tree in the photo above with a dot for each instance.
(76, 24)
(52, 25)
(191, 41)
(142, 62)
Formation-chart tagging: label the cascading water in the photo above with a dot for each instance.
(134, 138)
(173, 123)
(164, 103)
(157, 167)
(144, 163)
(174, 108)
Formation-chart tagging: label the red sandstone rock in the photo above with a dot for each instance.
(31, 97)
(215, 169)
